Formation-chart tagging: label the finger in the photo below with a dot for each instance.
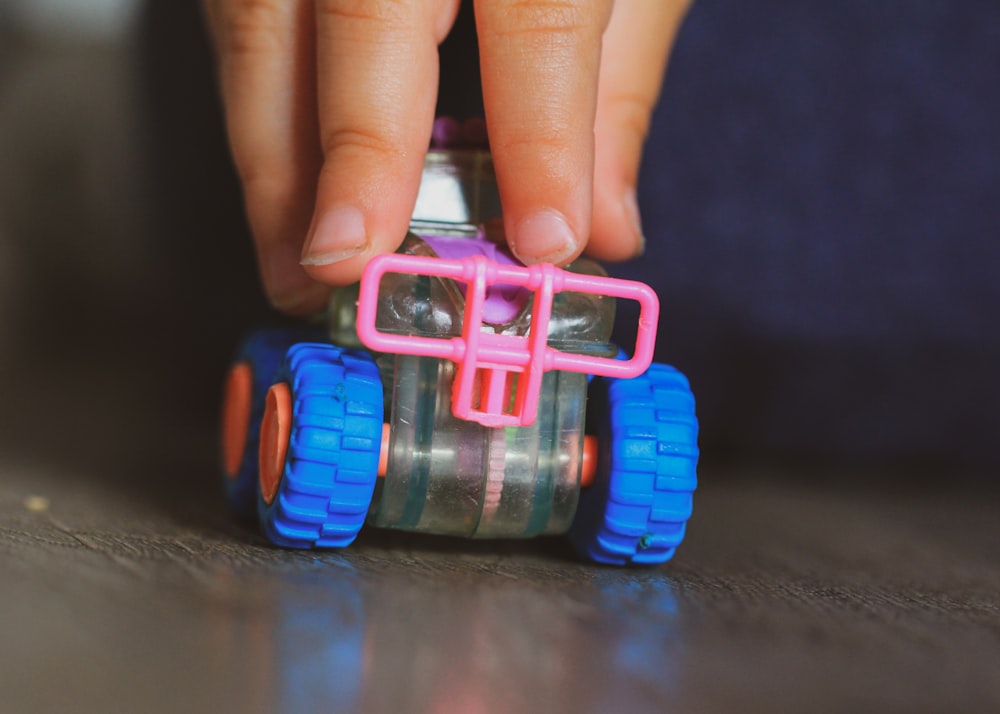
(377, 76)
(636, 46)
(267, 75)
(540, 63)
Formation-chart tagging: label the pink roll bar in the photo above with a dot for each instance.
(490, 359)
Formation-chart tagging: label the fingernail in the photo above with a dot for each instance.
(339, 234)
(544, 237)
(632, 213)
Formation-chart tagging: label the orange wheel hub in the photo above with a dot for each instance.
(588, 470)
(275, 430)
(236, 406)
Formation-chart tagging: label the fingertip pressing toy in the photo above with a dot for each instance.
(456, 391)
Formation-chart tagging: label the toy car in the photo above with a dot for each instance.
(453, 391)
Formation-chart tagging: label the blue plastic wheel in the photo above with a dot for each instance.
(638, 508)
(251, 375)
(316, 493)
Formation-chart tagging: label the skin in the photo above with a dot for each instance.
(330, 103)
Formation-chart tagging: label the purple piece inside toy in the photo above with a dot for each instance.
(503, 302)
(449, 133)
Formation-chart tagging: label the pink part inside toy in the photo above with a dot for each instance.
(498, 377)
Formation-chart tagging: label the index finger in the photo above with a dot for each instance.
(377, 73)
(540, 66)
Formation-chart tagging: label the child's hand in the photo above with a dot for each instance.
(329, 108)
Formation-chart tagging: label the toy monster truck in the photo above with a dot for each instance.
(449, 394)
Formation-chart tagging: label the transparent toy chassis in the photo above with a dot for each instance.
(454, 392)
(322, 435)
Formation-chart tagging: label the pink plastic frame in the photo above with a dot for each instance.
(489, 360)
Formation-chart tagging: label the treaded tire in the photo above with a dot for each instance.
(331, 465)
(637, 510)
(263, 350)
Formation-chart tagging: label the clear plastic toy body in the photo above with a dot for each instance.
(451, 397)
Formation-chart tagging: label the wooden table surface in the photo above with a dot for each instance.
(126, 587)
